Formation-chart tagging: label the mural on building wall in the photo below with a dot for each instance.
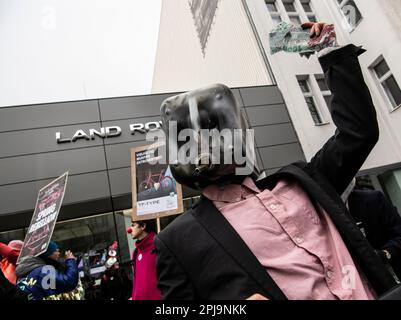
(203, 12)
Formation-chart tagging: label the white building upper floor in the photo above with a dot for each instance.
(374, 24)
(207, 41)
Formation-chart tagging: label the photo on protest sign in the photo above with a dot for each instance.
(155, 192)
(44, 218)
(97, 261)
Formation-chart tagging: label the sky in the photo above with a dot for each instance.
(66, 50)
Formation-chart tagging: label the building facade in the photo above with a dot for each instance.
(98, 197)
(207, 41)
(284, 98)
(199, 42)
(374, 25)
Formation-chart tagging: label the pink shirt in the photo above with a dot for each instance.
(299, 247)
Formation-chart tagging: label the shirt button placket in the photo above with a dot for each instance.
(299, 240)
(329, 275)
(273, 207)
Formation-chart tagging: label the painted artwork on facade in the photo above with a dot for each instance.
(203, 12)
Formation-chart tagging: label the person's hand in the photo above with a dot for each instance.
(257, 297)
(315, 28)
(69, 255)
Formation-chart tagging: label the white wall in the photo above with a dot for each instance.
(392, 8)
(232, 54)
(377, 34)
(62, 50)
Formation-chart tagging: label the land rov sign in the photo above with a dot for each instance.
(108, 132)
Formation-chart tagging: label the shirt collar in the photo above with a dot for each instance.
(232, 192)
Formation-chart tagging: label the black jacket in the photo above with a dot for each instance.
(200, 256)
(381, 223)
(9, 292)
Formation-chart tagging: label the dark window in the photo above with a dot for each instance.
(382, 68)
(351, 13)
(289, 5)
(295, 20)
(322, 84)
(388, 82)
(304, 85)
(312, 18)
(393, 90)
(271, 5)
(276, 19)
(324, 88)
(310, 101)
(306, 5)
(328, 100)
(6, 237)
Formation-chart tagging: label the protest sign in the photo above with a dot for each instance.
(44, 218)
(155, 193)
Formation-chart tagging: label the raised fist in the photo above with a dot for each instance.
(69, 255)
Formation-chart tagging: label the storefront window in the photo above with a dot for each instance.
(391, 181)
(89, 239)
(6, 237)
(86, 235)
(125, 241)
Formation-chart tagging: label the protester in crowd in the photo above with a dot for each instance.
(115, 284)
(380, 222)
(42, 277)
(144, 261)
(77, 294)
(9, 254)
(286, 236)
(91, 289)
(9, 292)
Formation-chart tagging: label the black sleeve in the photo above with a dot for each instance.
(391, 224)
(8, 292)
(171, 278)
(353, 114)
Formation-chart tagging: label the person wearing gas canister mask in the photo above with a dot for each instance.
(286, 236)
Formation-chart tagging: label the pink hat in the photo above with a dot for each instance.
(16, 245)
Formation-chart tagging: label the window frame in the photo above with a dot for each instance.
(292, 14)
(311, 13)
(325, 93)
(316, 94)
(274, 14)
(390, 102)
(300, 13)
(274, 2)
(350, 28)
